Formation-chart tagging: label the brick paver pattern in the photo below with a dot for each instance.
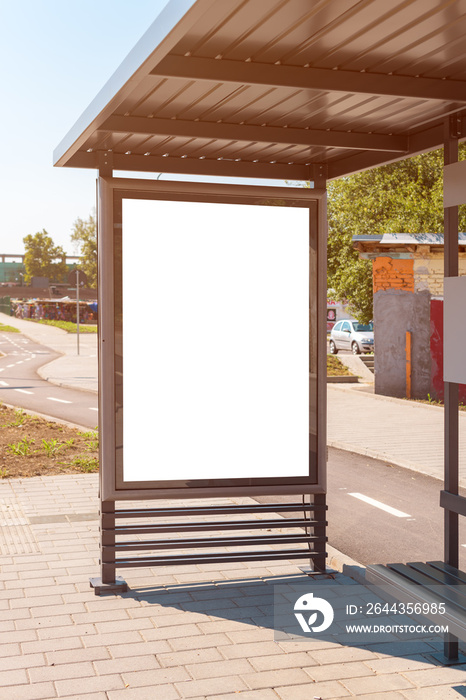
(179, 632)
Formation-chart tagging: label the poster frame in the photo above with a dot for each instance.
(111, 193)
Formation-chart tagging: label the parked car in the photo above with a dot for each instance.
(352, 335)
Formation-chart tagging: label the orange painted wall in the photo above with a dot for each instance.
(389, 273)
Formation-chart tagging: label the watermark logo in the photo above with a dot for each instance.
(355, 614)
(307, 603)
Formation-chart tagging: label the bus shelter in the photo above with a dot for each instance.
(224, 369)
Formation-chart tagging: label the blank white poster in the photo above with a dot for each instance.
(215, 341)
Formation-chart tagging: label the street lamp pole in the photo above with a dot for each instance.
(77, 310)
(79, 277)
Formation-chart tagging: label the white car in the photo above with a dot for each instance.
(352, 335)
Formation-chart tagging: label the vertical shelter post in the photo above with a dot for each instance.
(108, 580)
(318, 339)
(451, 414)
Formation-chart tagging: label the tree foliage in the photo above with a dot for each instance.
(43, 258)
(84, 233)
(403, 197)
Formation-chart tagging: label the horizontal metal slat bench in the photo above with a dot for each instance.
(169, 547)
(431, 582)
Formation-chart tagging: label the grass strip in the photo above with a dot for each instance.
(67, 326)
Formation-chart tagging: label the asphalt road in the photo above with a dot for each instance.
(21, 386)
(370, 534)
(379, 513)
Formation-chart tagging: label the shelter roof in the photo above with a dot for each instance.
(388, 243)
(283, 89)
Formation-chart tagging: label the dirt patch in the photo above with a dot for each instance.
(34, 446)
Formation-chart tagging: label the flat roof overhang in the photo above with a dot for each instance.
(287, 90)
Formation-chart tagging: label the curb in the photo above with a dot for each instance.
(345, 565)
(22, 326)
(381, 457)
(51, 419)
(394, 399)
(62, 382)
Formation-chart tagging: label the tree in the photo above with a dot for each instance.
(403, 197)
(43, 258)
(84, 233)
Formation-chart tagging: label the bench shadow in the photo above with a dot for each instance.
(249, 601)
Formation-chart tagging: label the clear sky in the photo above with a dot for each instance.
(55, 55)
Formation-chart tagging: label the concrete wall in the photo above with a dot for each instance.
(395, 312)
(408, 295)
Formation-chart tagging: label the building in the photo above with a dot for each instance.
(12, 273)
(408, 311)
(12, 268)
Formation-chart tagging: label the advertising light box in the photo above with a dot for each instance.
(215, 343)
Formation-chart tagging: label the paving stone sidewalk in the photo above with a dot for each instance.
(406, 433)
(179, 632)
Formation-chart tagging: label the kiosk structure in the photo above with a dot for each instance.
(210, 389)
(215, 385)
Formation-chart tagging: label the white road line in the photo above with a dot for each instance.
(51, 398)
(11, 365)
(27, 359)
(20, 362)
(4, 384)
(24, 391)
(382, 506)
(93, 409)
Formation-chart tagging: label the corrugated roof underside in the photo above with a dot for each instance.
(408, 37)
(422, 38)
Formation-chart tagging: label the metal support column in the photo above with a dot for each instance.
(451, 413)
(318, 339)
(320, 530)
(108, 581)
